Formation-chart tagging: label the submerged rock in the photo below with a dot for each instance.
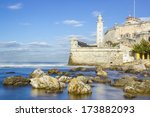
(129, 95)
(37, 73)
(16, 81)
(54, 71)
(101, 80)
(78, 87)
(100, 72)
(83, 69)
(124, 81)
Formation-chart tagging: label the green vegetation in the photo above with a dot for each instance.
(143, 47)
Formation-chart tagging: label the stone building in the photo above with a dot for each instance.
(113, 47)
(134, 29)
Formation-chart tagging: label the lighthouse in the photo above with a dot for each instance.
(100, 32)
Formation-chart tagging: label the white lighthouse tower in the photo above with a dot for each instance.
(100, 32)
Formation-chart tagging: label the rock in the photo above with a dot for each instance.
(115, 67)
(64, 79)
(16, 81)
(146, 73)
(83, 69)
(78, 87)
(129, 96)
(37, 73)
(47, 82)
(138, 87)
(66, 73)
(100, 72)
(129, 89)
(80, 75)
(54, 71)
(124, 81)
(134, 68)
(83, 79)
(147, 64)
(101, 80)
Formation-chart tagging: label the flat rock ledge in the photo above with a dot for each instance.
(133, 87)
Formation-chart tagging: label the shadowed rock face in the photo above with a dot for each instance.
(78, 87)
(16, 81)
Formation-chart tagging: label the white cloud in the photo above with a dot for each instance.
(10, 44)
(16, 6)
(96, 13)
(74, 23)
(80, 37)
(39, 44)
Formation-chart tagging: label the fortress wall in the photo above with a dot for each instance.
(95, 56)
(115, 33)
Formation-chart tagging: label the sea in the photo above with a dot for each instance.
(99, 91)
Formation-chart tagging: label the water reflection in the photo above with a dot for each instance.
(79, 97)
(42, 92)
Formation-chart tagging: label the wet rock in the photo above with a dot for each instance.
(79, 75)
(83, 69)
(66, 73)
(47, 82)
(124, 81)
(37, 73)
(16, 81)
(101, 80)
(115, 67)
(78, 87)
(54, 71)
(142, 87)
(100, 72)
(129, 96)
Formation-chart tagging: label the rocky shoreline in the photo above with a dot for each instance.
(55, 80)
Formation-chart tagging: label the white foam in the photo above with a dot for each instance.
(32, 65)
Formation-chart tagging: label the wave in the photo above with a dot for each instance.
(4, 65)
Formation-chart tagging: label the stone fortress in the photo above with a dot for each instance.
(113, 47)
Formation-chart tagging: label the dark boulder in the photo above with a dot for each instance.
(16, 81)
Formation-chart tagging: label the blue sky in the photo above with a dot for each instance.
(39, 30)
